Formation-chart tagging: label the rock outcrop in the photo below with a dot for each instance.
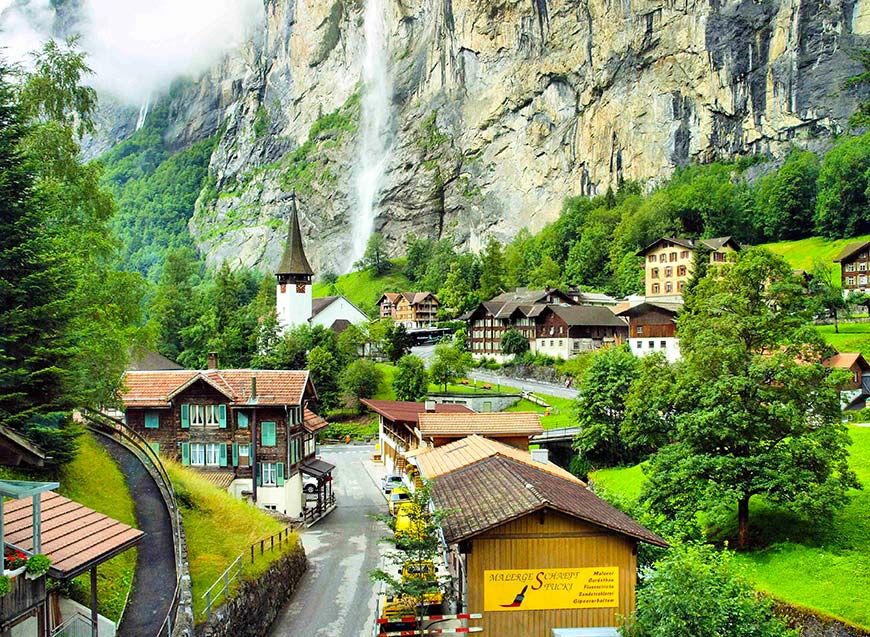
(502, 108)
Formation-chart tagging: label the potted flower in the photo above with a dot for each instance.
(5, 585)
(15, 563)
(37, 566)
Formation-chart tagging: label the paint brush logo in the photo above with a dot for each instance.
(518, 600)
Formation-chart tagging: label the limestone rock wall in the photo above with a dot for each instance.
(503, 108)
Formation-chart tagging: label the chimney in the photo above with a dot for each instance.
(212, 360)
(540, 455)
(430, 406)
(253, 388)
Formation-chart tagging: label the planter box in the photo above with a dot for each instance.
(14, 572)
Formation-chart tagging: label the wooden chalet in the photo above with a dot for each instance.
(529, 545)
(565, 331)
(250, 429)
(414, 310)
(652, 327)
(854, 262)
(511, 428)
(853, 394)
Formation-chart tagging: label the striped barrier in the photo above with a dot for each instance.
(433, 631)
(429, 618)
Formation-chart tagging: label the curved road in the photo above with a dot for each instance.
(154, 581)
(336, 598)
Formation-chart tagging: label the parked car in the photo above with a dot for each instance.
(409, 525)
(398, 496)
(309, 484)
(390, 481)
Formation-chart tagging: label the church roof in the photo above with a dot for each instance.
(293, 260)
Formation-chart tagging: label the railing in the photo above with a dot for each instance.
(118, 430)
(234, 570)
(76, 626)
(315, 513)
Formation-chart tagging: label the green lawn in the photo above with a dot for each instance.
(826, 568)
(853, 337)
(218, 528)
(803, 254)
(385, 391)
(94, 480)
(363, 289)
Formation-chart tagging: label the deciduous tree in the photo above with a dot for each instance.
(513, 343)
(411, 381)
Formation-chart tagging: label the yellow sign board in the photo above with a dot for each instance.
(551, 588)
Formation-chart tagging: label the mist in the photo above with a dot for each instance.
(137, 48)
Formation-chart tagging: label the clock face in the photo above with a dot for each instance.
(300, 287)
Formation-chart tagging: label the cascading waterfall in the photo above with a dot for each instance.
(143, 114)
(375, 125)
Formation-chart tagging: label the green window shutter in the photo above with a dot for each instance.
(242, 419)
(267, 434)
(260, 476)
(235, 454)
(185, 453)
(152, 420)
(279, 473)
(222, 458)
(185, 416)
(222, 417)
(156, 447)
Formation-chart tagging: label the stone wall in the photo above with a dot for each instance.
(255, 606)
(814, 624)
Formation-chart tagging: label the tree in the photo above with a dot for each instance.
(842, 206)
(786, 198)
(546, 274)
(514, 343)
(694, 591)
(417, 254)
(600, 407)
(859, 298)
(397, 342)
(361, 379)
(447, 364)
(411, 381)
(826, 295)
(324, 374)
(171, 310)
(758, 413)
(456, 293)
(375, 257)
(492, 272)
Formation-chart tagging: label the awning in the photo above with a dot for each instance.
(317, 468)
(74, 537)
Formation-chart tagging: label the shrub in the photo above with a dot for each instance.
(38, 564)
(5, 585)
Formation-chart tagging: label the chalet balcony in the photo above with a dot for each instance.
(24, 596)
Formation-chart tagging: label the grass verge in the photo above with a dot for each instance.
(803, 254)
(363, 289)
(852, 337)
(218, 528)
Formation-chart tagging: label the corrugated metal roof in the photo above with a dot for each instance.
(499, 423)
(74, 537)
(497, 490)
(400, 411)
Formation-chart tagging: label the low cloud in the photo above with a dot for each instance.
(137, 48)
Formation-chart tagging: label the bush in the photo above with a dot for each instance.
(361, 379)
(38, 564)
(5, 585)
(411, 381)
(696, 591)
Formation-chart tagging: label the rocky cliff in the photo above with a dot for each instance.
(501, 109)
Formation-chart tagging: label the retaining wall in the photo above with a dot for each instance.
(814, 624)
(257, 603)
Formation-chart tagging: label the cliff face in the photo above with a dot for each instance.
(502, 108)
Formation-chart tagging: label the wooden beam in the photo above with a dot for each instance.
(95, 618)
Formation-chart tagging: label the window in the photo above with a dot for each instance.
(862, 280)
(639, 330)
(212, 416)
(673, 256)
(669, 286)
(663, 257)
(213, 454)
(681, 270)
(856, 377)
(244, 455)
(862, 267)
(655, 288)
(152, 420)
(684, 254)
(295, 450)
(197, 454)
(669, 271)
(850, 280)
(561, 343)
(651, 258)
(268, 474)
(850, 267)
(663, 344)
(863, 255)
(197, 415)
(719, 257)
(679, 286)
(242, 419)
(640, 345)
(268, 437)
(652, 344)
(310, 446)
(655, 273)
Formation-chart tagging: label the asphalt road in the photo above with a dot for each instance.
(528, 385)
(336, 598)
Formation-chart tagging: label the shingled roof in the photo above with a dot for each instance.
(851, 249)
(715, 244)
(293, 260)
(517, 423)
(498, 490)
(274, 387)
(588, 315)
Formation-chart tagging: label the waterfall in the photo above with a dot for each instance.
(375, 125)
(143, 113)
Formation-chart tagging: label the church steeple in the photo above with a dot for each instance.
(294, 266)
(293, 296)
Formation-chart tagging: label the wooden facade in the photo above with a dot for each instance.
(548, 539)
(654, 323)
(855, 267)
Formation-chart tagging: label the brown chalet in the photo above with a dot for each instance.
(398, 427)
(854, 394)
(529, 546)
(510, 428)
(414, 310)
(855, 267)
(250, 429)
(652, 327)
(564, 331)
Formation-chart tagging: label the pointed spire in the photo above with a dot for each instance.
(293, 260)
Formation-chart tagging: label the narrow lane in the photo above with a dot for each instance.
(534, 386)
(336, 598)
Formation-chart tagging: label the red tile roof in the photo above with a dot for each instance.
(74, 537)
(398, 411)
(274, 387)
(846, 360)
(517, 423)
(312, 422)
(490, 493)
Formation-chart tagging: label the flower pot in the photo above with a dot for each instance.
(33, 575)
(14, 572)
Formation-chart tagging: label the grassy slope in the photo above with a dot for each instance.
(94, 480)
(853, 337)
(827, 569)
(802, 254)
(363, 289)
(218, 528)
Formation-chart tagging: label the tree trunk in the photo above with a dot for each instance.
(836, 324)
(743, 522)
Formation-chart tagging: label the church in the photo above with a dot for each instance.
(294, 301)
